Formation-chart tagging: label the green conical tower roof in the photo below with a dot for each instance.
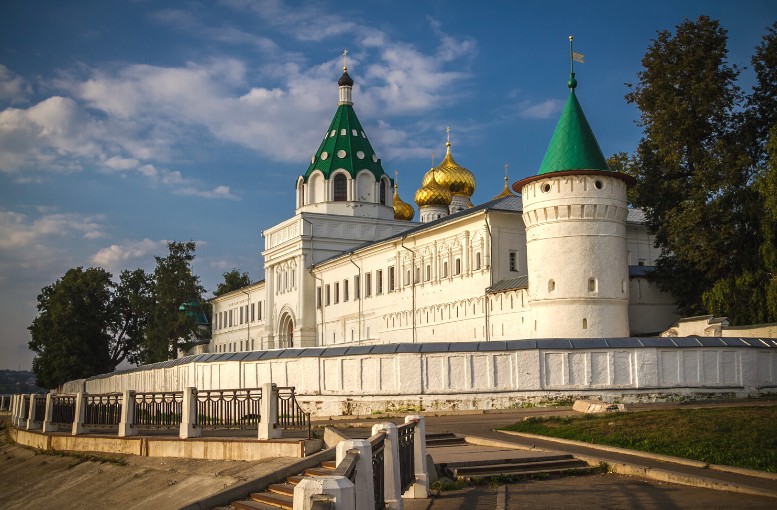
(345, 146)
(573, 146)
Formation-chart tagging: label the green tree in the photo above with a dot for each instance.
(698, 169)
(169, 327)
(87, 324)
(233, 280)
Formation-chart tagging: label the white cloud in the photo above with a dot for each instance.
(543, 110)
(13, 88)
(114, 257)
(17, 230)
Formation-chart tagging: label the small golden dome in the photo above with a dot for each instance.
(457, 179)
(506, 191)
(402, 210)
(431, 193)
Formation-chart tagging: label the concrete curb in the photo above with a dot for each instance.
(241, 491)
(655, 456)
(646, 472)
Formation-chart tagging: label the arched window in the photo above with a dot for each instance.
(478, 260)
(341, 188)
(383, 191)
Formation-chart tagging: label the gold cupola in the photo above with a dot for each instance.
(506, 191)
(432, 193)
(449, 174)
(402, 210)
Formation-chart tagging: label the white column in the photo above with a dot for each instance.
(364, 482)
(337, 488)
(47, 425)
(80, 414)
(268, 424)
(31, 425)
(189, 426)
(419, 489)
(126, 425)
(15, 405)
(392, 484)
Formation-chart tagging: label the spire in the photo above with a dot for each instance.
(573, 145)
(345, 145)
(506, 191)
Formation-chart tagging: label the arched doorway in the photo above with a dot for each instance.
(286, 330)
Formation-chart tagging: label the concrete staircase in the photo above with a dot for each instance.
(279, 495)
(457, 459)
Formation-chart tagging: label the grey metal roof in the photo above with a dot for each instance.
(512, 204)
(522, 282)
(473, 346)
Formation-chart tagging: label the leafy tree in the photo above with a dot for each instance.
(169, 327)
(233, 280)
(87, 324)
(701, 170)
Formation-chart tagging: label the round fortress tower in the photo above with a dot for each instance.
(575, 213)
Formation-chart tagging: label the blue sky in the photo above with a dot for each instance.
(126, 124)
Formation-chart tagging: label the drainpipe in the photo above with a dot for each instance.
(412, 283)
(359, 270)
(490, 277)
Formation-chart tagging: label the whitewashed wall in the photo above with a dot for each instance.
(476, 379)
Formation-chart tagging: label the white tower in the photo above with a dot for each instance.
(575, 215)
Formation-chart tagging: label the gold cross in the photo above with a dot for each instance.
(345, 63)
(432, 159)
(448, 133)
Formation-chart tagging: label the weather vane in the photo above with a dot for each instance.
(345, 63)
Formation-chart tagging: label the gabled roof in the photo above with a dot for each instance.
(573, 145)
(512, 204)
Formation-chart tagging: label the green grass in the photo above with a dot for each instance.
(741, 436)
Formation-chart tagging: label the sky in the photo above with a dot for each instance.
(128, 124)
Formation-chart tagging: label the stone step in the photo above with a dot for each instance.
(282, 488)
(329, 464)
(445, 441)
(515, 469)
(318, 472)
(270, 498)
(250, 505)
(504, 460)
(294, 480)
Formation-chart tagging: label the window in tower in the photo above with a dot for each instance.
(391, 279)
(457, 267)
(345, 290)
(337, 292)
(356, 287)
(379, 281)
(341, 188)
(513, 261)
(383, 191)
(444, 269)
(478, 260)
(367, 284)
(428, 273)
(327, 295)
(551, 285)
(592, 285)
(585, 323)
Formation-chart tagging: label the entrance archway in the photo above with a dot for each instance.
(286, 330)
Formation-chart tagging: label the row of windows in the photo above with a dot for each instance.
(236, 346)
(237, 316)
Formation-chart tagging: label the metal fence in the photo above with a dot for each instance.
(290, 413)
(158, 410)
(406, 454)
(63, 410)
(40, 407)
(235, 409)
(378, 442)
(25, 407)
(103, 410)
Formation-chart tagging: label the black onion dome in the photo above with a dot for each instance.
(345, 80)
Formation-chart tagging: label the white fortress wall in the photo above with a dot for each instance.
(473, 375)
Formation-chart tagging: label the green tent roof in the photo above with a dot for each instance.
(573, 146)
(345, 146)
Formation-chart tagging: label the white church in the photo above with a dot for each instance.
(563, 258)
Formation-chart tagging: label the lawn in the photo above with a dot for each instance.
(740, 436)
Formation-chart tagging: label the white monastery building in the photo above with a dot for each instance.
(564, 258)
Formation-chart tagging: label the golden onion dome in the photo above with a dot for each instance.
(432, 193)
(402, 210)
(449, 174)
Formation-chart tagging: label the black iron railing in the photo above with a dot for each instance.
(347, 466)
(103, 410)
(290, 413)
(158, 410)
(378, 442)
(406, 454)
(237, 409)
(63, 409)
(25, 407)
(40, 408)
